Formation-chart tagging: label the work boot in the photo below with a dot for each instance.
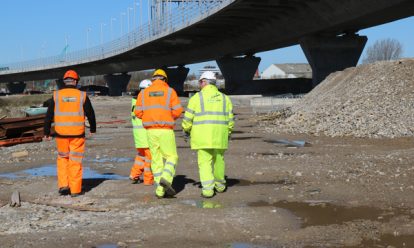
(207, 196)
(75, 195)
(160, 192)
(64, 191)
(221, 190)
(167, 186)
(135, 180)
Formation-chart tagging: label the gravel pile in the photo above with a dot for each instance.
(374, 101)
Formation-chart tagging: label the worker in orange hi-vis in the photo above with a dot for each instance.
(159, 106)
(68, 109)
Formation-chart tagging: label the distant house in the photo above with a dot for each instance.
(211, 68)
(275, 71)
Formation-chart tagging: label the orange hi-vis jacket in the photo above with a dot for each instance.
(158, 106)
(69, 117)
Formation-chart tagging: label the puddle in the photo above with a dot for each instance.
(244, 245)
(99, 138)
(50, 170)
(111, 159)
(288, 143)
(237, 131)
(245, 138)
(389, 240)
(202, 203)
(247, 126)
(322, 214)
(106, 246)
(242, 182)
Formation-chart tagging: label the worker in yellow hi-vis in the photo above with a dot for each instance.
(209, 121)
(159, 106)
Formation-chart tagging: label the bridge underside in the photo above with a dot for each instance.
(246, 27)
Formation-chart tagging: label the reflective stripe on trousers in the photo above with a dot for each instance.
(142, 165)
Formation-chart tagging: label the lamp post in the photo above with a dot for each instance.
(129, 8)
(66, 46)
(112, 19)
(135, 12)
(140, 12)
(102, 25)
(149, 12)
(87, 41)
(122, 21)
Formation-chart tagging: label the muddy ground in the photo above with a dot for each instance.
(334, 192)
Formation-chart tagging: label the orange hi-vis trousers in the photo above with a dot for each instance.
(69, 163)
(142, 164)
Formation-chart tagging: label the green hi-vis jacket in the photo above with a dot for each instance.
(140, 133)
(209, 118)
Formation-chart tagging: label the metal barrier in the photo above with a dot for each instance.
(183, 15)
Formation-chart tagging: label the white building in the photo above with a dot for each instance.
(275, 71)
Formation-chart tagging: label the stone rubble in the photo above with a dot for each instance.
(374, 101)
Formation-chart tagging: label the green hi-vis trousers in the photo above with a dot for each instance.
(211, 167)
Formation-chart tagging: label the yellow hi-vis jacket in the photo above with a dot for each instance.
(140, 133)
(209, 118)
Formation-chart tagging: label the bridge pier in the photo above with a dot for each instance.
(238, 71)
(177, 77)
(331, 54)
(117, 83)
(16, 87)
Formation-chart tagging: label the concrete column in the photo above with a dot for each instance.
(237, 71)
(60, 84)
(331, 54)
(117, 83)
(16, 87)
(176, 78)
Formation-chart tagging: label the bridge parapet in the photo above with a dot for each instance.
(162, 25)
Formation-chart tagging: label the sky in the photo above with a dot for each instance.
(34, 29)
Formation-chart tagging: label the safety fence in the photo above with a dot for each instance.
(166, 19)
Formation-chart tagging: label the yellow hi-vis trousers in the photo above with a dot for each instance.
(162, 146)
(211, 167)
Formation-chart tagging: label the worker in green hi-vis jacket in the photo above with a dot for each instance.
(209, 122)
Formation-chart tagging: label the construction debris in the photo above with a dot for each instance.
(15, 131)
(15, 199)
(20, 154)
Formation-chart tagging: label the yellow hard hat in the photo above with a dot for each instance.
(160, 72)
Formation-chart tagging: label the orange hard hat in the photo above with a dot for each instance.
(71, 74)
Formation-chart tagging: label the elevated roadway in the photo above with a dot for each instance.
(233, 31)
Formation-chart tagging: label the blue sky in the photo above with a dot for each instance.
(33, 29)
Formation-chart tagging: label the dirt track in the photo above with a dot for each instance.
(336, 192)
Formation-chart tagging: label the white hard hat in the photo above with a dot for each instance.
(145, 83)
(208, 75)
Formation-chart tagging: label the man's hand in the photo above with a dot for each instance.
(47, 138)
(90, 135)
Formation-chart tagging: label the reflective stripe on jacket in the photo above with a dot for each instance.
(158, 106)
(209, 117)
(140, 134)
(69, 117)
